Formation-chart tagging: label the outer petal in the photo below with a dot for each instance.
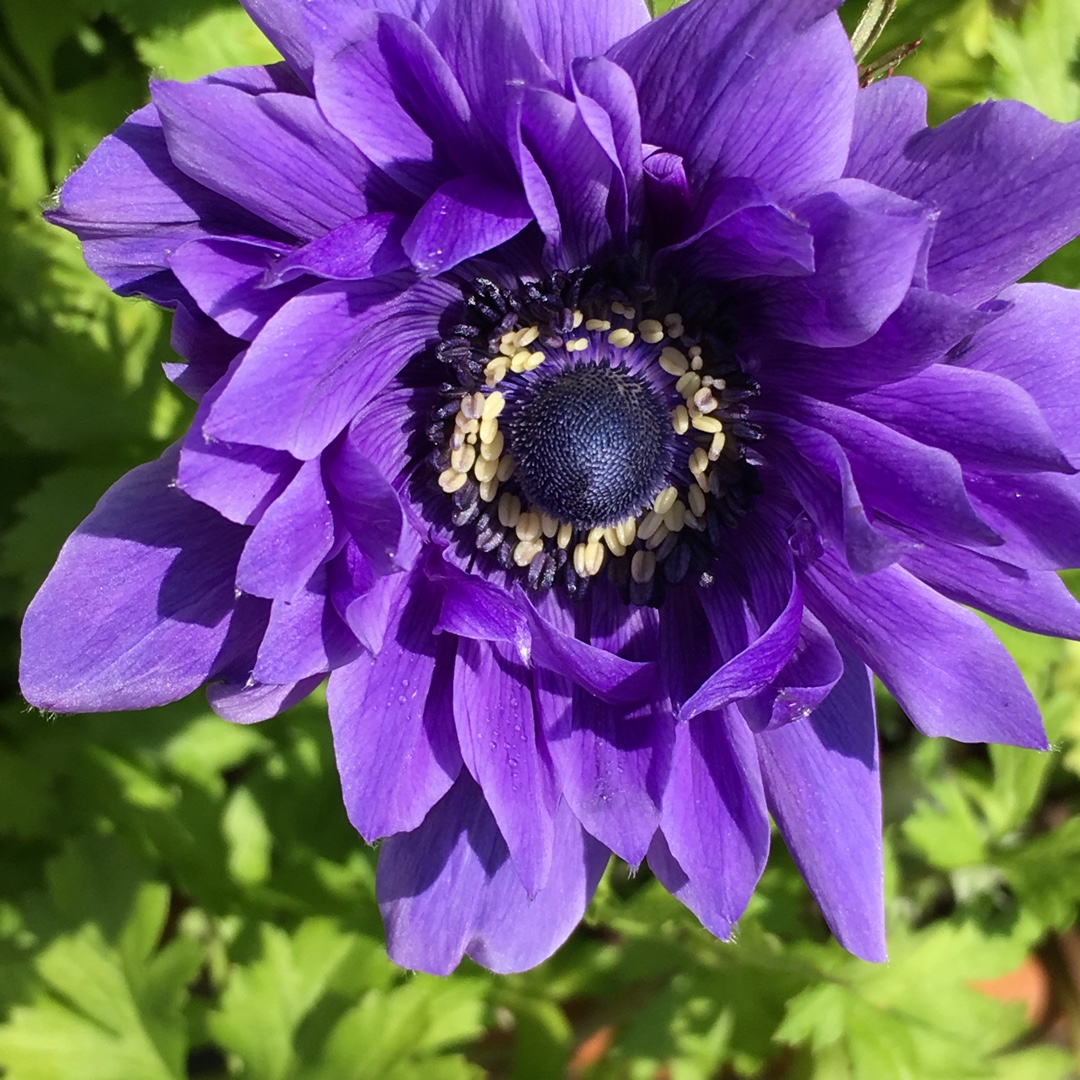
(747, 89)
(235, 144)
(1035, 342)
(251, 702)
(450, 889)
(392, 719)
(821, 780)
(138, 606)
(502, 748)
(714, 824)
(362, 248)
(1002, 177)
(943, 664)
(560, 30)
(322, 358)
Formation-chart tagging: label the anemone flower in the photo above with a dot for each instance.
(598, 401)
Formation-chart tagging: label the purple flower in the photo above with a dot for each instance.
(598, 401)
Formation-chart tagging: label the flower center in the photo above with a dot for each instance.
(590, 443)
(582, 436)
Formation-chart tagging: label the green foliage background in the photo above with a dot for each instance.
(184, 897)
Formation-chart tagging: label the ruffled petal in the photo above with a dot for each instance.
(363, 248)
(943, 664)
(822, 784)
(502, 747)
(560, 30)
(746, 89)
(1001, 176)
(323, 357)
(392, 719)
(292, 538)
(137, 608)
(250, 702)
(715, 827)
(450, 889)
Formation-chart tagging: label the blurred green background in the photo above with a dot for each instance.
(182, 897)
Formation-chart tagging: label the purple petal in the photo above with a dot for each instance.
(465, 217)
(367, 505)
(607, 102)
(818, 472)
(239, 482)
(234, 143)
(384, 86)
(322, 358)
(943, 664)
(252, 702)
(611, 761)
(132, 207)
(805, 681)
(916, 484)
(714, 826)
(821, 780)
(364, 248)
(575, 169)
(138, 605)
(502, 749)
(868, 244)
(224, 278)
(1038, 514)
(887, 114)
(741, 233)
(485, 45)
(1034, 600)
(1002, 177)
(746, 89)
(450, 889)
(979, 418)
(560, 30)
(207, 351)
(482, 611)
(392, 720)
(1033, 343)
(305, 636)
(292, 538)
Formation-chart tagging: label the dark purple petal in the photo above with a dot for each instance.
(502, 748)
(466, 216)
(449, 889)
(138, 605)
(916, 484)
(251, 702)
(611, 761)
(364, 248)
(560, 30)
(1034, 600)
(576, 171)
(1033, 342)
(393, 723)
(234, 143)
(740, 233)
(867, 246)
(366, 504)
(384, 86)
(746, 89)
(943, 664)
(887, 114)
(607, 102)
(305, 636)
(715, 825)
(481, 610)
(805, 681)
(982, 419)
(818, 472)
(224, 278)
(1000, 174)
(822, 784)
(291, 539)
(207, 351)
(322, 358)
